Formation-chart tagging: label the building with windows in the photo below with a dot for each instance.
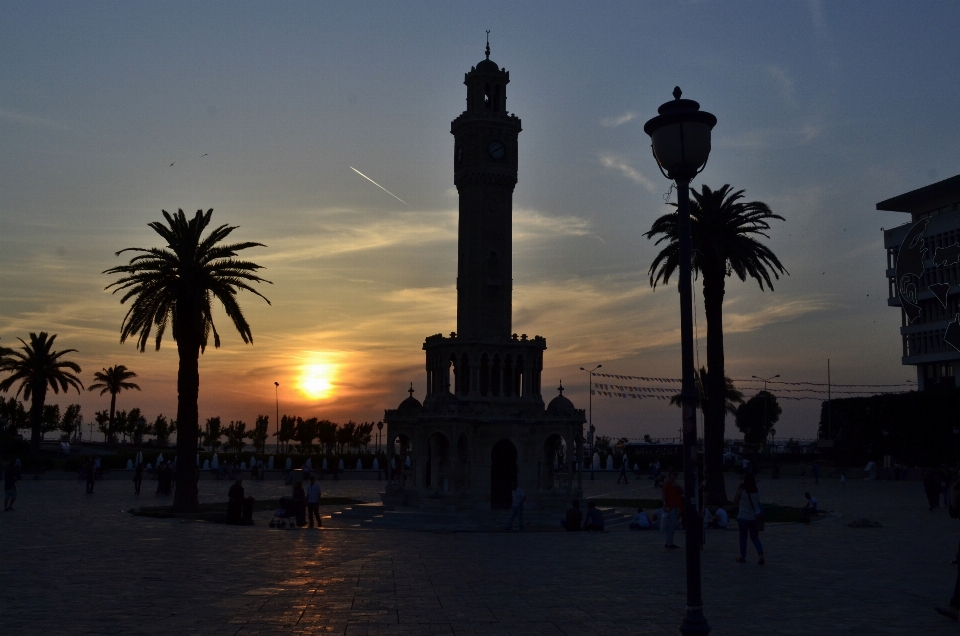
(923, 270)
(483, 425)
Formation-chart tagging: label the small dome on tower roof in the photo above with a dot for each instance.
(410, 406)
(487, 66)
(560, 405)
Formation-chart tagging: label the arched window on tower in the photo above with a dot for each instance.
(507, 377)
(495, 376)
(452, 365)
(464, 375)
(496, 98)
(519, 376)
(487, 97)
(484, 375)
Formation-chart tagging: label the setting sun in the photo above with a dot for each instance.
(316, 380)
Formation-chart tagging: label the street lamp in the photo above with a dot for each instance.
(591, 429)
(379, 429)
(680, 140)
(276, 395)
(765, 396)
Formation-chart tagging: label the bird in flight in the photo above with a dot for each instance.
(204, 154)
(171, 165)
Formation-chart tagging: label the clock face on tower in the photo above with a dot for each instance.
(496, 150)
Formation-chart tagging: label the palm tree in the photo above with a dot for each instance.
(174, 287)
(732, 396)
(35, 367)
(112, 381)
(724, 232)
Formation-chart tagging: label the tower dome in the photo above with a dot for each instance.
(410, 406)
(560, 405)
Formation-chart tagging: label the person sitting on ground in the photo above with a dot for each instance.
(574, 517)
(594, 517)
(715, 517)
(810, 508)
(300, 504)
(657, 518)
(640, 521)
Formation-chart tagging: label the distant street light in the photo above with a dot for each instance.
(680, 139)
(276, 394)
(590, 439)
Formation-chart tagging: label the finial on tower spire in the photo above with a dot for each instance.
(488, 44)
(560, 388)
(410, 390)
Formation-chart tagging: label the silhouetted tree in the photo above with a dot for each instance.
(288, 428)
(724, 232)
(175, 286)
(756, 417)
(112, 381)
(16, 416)
(327, 435)
(71, 421)
(161, 430)
(102, 418)
(34, 367)
(236, 432)
(213, 431)
(51, 418)
(305, 433)
(345, 434)
(258, 437)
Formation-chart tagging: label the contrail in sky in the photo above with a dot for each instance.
(378, 185)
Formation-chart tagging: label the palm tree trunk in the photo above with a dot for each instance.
(715, 414)
(186, 498)
(113, 409)
(39, 392)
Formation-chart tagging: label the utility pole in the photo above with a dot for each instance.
(590, 431)
(829, 409)
(276, 394)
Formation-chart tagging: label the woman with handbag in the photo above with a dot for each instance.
(749, 517)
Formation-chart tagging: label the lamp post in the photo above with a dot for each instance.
(680, 140)
(276, 395)
(590, 440)
(379, 429)
(765, 396)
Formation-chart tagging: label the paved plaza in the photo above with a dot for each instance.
(78, 564)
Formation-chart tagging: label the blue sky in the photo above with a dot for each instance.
(824, 109)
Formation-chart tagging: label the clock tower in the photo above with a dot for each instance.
(485, 173)
(482, 425)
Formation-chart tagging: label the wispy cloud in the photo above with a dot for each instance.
(772, 137)
(619, 120)
(530, 225)
(777, 312)
(783, 82)
(620, 165)
(31, 120)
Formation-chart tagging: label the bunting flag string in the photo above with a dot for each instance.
(644, 396)
(751, 381)
(655, 389)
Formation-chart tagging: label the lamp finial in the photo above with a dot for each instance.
(677, 92)
(488, 44)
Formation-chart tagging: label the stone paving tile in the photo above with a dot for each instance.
(75, 564)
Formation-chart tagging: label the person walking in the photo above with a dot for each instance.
(623, 469)
(137, 478)
(672, 507)
(748, 517)
(9, 487)
(300, 503)
(91, 476)
(518, 498)
(313, 502)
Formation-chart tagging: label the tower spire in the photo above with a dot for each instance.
(488, 44)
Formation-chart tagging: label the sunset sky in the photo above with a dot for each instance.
(263, 108)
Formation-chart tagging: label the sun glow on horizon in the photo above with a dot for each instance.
(316, 379)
